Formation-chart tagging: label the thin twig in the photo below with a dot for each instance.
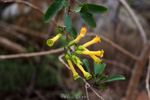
(12, 45)
(147, 79)
(115, 46)
(29, 4)
(115, 63)
(87, 94)
(135, 19)
(61, 60)
(31, 54)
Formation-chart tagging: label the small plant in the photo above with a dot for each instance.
(86, 12)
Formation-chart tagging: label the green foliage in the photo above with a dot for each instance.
(114, 78)
(87, 64)
(96, 9)
(68, 22)
(65, 4)
(98, 69)
(84, 8)
(88, 18)
(98, 78)
(15, 74)
(52, 10)
(74, 32)
(72, 96)
(78, 9)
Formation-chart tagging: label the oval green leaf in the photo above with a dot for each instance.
(68, 22)
(85, 61)
(88, 18)
(52, 10)
(96, 9)
(115, 77)
(74, 32)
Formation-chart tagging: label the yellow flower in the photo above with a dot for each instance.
(102, 53)
(83, 31)
(96, 59)
(82, 34)
(87, 52)
(75, 74)
(50, 42)
(95, 40)
(86, 74)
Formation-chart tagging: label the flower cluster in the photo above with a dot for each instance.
(80, 49)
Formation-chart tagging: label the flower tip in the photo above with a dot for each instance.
(50, 42)
(84, 28)
(98, 38)
(76, 77)
(83, 31)
(88, 76)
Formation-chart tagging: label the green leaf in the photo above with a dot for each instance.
(102, 77)
(74, 32)
(97, 9)
(68, 22)
(96, 68)
(115, 77)
(102, 67)
(87, 64)
(102, 86)
(52, 10)
(88, 18)
(84, 8)
(78, 9)
(65, 4)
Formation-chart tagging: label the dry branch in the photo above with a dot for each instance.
(24, 30)
(147, 79)
(11, 45)
(28, 4)
(115, 63)
(32, 54)
(135, 19)
(137, 71)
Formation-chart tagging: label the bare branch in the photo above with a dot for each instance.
(137, 72)
(115, 63)
(28, 4)
(11, 45)
(116, 46)
(62, 61)
(135, 19)
(147, 79)
(87, 94)
(32, 54)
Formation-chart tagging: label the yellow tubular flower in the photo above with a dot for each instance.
(50, 42)
(86, 74)
(97, 53)
(83, 31)
(75, 74)
(102, 53)
(96, 59)
(95, 40)
(82, 34)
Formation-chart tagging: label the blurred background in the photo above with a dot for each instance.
(22, 30)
